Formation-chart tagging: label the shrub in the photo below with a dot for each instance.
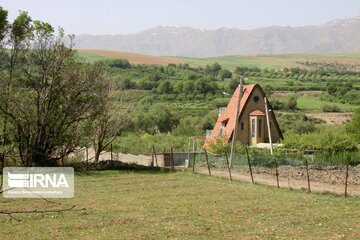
(330, 108)
(224, 73)
(291, 103)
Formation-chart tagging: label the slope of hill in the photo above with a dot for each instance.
(98, 54)
(333, 37)
(277, 61)
(230, 62)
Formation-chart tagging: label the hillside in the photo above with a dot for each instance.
(168, 40)
(98, 54)
(350, 61)
(230, 62)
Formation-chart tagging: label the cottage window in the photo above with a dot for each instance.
(260, 127)
(242, 125)
(253, 127)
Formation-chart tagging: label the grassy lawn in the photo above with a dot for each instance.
(155, 205)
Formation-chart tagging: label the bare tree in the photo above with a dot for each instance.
(111, 117)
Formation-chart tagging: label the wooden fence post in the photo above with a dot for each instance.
(189, 152)
(194, 156)
(250, 169)
(172, 163)
(277, 173)
(346, 177)
(111, 155)
(87, 157)
(307, 174)
(154, 156)
(228, 165)
(207, 161)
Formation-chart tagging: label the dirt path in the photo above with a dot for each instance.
(290, 183)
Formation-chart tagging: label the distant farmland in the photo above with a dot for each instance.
(274, 61)
(230, 62)
(98, 54)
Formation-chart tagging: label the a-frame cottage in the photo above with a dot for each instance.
(252, 125)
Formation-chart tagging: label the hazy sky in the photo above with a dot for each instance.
(130, 16)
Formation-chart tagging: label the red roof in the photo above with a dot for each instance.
(229, 114)
(257, 113)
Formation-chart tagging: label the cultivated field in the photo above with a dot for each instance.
(96, 54)
(230, 62)
(273, 61)
(159, 205)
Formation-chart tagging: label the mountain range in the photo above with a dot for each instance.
(337, 36)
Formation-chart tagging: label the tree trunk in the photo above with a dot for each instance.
(97, 155)
(2, 162)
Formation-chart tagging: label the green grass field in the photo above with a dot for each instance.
(158, 205)
(271, 61)
(90, 57)
(314, 103)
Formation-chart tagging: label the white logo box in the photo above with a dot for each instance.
(38, 182)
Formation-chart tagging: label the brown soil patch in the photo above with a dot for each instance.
(134, 58)
(332, 118)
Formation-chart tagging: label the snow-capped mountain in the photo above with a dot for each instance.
(341, 35)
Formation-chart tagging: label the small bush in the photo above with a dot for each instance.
(330, 108)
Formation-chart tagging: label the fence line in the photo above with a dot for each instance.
(314, 172)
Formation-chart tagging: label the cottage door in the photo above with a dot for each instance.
(253, 130)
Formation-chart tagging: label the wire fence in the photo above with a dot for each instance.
(309, 170)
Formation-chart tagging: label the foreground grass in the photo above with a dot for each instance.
(156, 205)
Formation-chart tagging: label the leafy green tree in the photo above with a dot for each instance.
(203, 86)
(147, 85)
(213, 69)
(353, 128)
(189, 87)
(156, 119)
(179, 86)
(330, 108)
(51, 94)
(165, 87)
(234, 83)
(268, 90)
(126, 84)
(291, 103)
(119, 63)
(224, 73)
(3, 23)
(15, 37)
(186, 127)
(276, 104)
(332, 89)
(110, 116)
